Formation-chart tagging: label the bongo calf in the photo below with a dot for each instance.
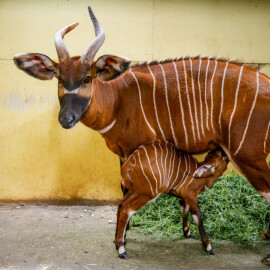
(158, 167)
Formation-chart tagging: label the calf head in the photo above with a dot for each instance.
(214, 163)
(74, 74)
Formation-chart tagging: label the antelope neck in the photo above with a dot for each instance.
(101, 113)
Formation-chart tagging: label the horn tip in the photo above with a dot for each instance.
(72, 26)
(91, 13)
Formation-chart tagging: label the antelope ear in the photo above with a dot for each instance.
(109, 67)
(204, 171)
(37, 65)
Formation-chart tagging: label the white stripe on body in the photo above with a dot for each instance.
(167, 103)
(179, 164)
(161, 161)
(189, 167)
(122, 77)
(194, 100)
(196, 167)
(190, 112)
(151, 168)
(144, 173)
(205, 93)
(154, 98)
(200, 92)
(160, 176)
(106, 129)
(265, 139)
(132, 164)
(174, 156)
(234, 109)
(185, 172)
(222, 95)
(140, 97)
(165, 162)
(170, 168)
(250, 113)
(180, 102)
(212, 98)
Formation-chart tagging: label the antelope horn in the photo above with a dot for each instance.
(91, 50)
(61, 48)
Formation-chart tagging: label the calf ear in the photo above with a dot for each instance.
(37, 65)
(109, 67)
(204, 171)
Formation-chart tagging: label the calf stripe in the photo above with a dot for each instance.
(190, 112)
(250, 113)
(169, 171)
(174, 156)
(183, 176)
(189, 167)
(144, 173)
(194, 100)
(160, 176)
(168, 107)
(161, 160)
(151, 168)
(200, 92)
(212, 99)
(154, 98)
(265, 139)
(179, 164)
(222, 94)
(140, 96)
(234, 109)
(165, 162)
(180, 102)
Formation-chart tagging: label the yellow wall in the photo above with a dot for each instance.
(38, 159)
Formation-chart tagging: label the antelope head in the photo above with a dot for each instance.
(74, 74)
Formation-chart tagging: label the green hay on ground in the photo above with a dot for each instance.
(232, 210)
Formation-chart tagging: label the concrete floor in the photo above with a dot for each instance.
(80, 237)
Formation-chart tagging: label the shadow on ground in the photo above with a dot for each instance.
(77, 237)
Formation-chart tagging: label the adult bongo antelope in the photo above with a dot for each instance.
(158, 167)
(195, 103)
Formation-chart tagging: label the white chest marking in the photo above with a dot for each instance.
(67, 92)
(106, 129)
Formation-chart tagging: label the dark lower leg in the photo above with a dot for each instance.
(197, 217)
(184, 210)
(125, 191)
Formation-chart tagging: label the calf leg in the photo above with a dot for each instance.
(131, 203)
(195, 210)
(184, 210)
(125, 191)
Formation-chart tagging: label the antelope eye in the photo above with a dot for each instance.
(87, 79)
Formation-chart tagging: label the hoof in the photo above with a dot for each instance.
(212, 252)
(123, 256)
(187, 233)
(264, 236)
(266, 260)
